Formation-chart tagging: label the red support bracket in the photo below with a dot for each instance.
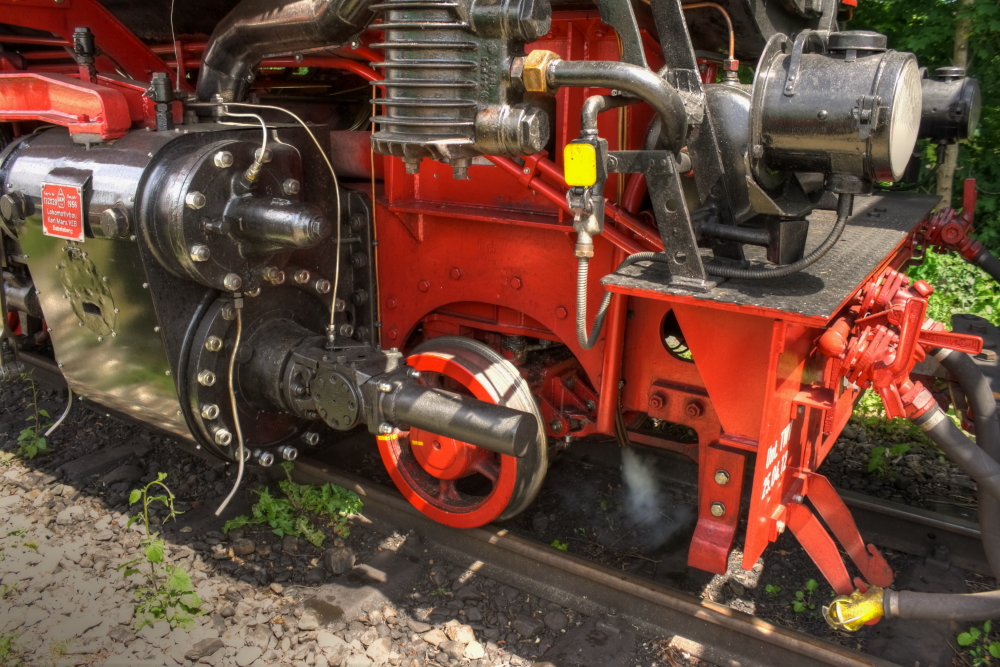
(83, 107)
(720, 487)
(830, 506)
(820, 546)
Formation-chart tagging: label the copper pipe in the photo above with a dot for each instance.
(729, 23)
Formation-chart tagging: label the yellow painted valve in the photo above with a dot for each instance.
(850, 612)
(580, 165)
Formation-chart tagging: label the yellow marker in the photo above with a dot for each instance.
(580, 165)
(387, 437)
(417, 443)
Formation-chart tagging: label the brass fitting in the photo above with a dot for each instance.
(850, 612)
(533, 71)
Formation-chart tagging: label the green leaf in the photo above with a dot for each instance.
(154, 551)
(994, 649)
(161, 476)
(987, 627)
(134, 497)
(179, 581)
(812, 585)
(965, 639)
(800, 595)
(43, 413)
(133, 519)
(191, 601)
(798, 607)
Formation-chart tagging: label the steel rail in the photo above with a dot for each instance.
(710, 631)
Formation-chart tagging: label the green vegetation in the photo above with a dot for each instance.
(31, 442)
(804, 597)
(169, 594)
(9, 655)
(291, 515)
(561, 546)
(879, 457)
(441, 591)
(979, 645)
(772, 590)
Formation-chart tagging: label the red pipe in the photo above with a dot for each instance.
(354, 66)
(612, 210)
(635, 192)
(558, 197)
(41, 41)
(614, 347)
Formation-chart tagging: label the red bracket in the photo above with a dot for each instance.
(85, 108)
(720, 487)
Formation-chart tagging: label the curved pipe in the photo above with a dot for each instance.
(643, 83)
(969, 607)
(256, 29)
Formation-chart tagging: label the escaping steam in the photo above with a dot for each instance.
(656, 519)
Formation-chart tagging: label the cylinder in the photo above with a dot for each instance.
(952, 105)
(854, 111)
(487, 425)
(278, 222)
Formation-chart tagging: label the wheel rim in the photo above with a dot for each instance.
(454, 482)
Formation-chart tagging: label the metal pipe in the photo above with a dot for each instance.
(725, 15)
(643, 83)
(487, 425)
(611, 368)
(256, 29)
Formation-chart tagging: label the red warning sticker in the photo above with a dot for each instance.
(62, 211)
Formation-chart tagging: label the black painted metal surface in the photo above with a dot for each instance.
(879, 224)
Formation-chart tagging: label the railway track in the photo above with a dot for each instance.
(712, 632)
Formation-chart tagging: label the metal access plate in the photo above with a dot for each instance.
(879, 224)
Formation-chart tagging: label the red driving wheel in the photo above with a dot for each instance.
(454, 482)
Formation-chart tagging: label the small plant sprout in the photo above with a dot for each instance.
(31, 442)
(804, 597)
(561, 546)
(880, 457)
(289, 515)
(772, 590)
(978, 644)
(169, 594)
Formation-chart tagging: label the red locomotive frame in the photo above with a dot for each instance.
(492, 257)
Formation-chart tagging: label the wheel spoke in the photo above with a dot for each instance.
(447, 493)
(490, 469)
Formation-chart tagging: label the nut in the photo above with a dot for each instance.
(301, 276)
(200, 252)
(213, 343)
(694, 408)
(232, 282)
(657, 401)
(265, 459)
(223, 159)
(536, 65)
(289, 453)
(265, 157)
(206, 378)
(311, 438)
(209, 411)
(322, 286)
(273, 274)
(291, 186)
(195, 200)
(222, 437)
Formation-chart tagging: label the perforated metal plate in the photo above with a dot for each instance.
(879, 224)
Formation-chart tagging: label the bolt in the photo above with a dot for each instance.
(346, 330)
(213, 344)
(200, 252)
(209, 411)
(223, 159)
(223, 437)
(206, 378)
(561, 313)
(822, 114)
(311, 438)
(721, 477)
(657, 401)
(289, 453)
(392, 333)
(385, 428)
(456, 273)
(413, 373)
(301, 276)
(717, 509)
(291, 187)
(228, 312)
(384, 387)
(694, 408)
(264, 157)
(232, 282)
(423, 285)
(390, 303)
(265, 459)
(273, 274)
(322, 286)
(798, 498)
(195, 200)
(555, 425)
(515, 283)
(758, 151)
(591, 406)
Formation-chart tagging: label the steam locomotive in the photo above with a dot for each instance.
(397, 214)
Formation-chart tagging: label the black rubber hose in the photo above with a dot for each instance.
(978, 606)
(973, 461)
(587, 342)
(844, 204)
(988, 263)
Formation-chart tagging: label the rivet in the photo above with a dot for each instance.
(156, 329)
(456, 273)
(717, 509)
(390, 303)
(721, 477)
(310, 438)
(423, 285)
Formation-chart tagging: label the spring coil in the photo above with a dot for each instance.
(431, 79)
